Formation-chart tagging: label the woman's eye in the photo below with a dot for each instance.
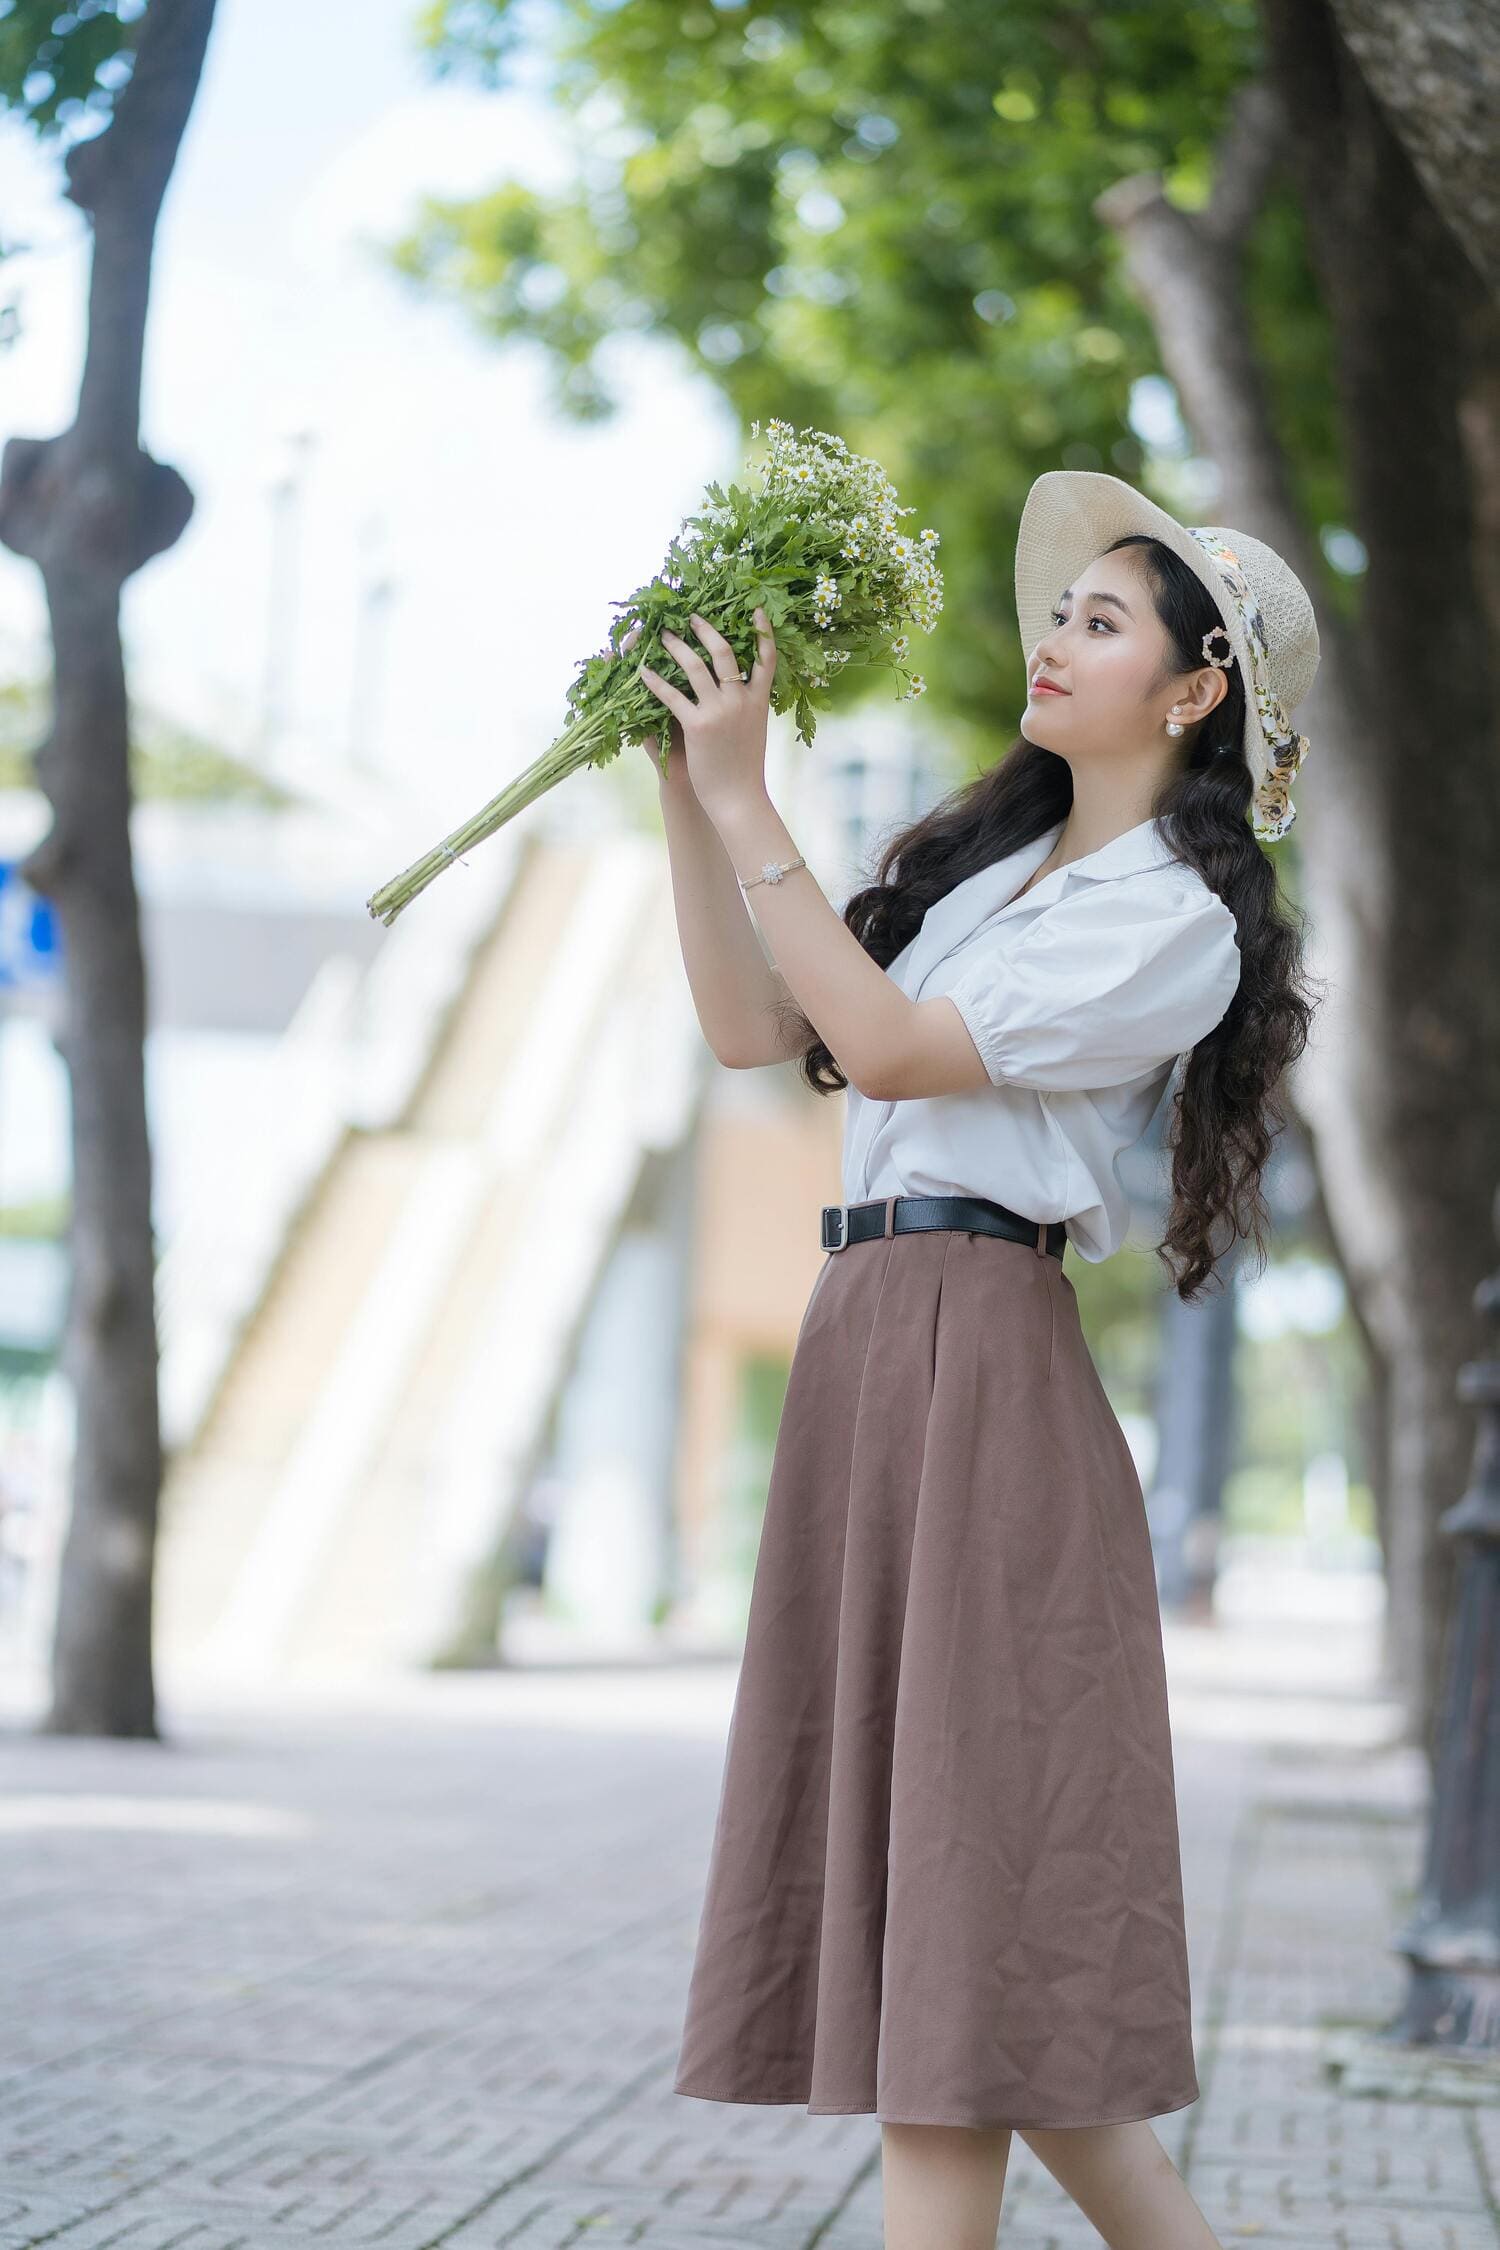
(1097, 619)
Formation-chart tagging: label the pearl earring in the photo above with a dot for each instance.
(1172, 726)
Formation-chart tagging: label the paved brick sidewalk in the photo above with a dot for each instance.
(405, 1968)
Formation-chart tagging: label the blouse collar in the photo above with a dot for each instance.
(992, 895)
(1139, 847)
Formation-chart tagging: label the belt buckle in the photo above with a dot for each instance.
(839, 1211)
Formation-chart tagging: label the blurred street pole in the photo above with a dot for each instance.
(1195, 1421)
(278, 679)
(373, 595)
(1196, 1358)
(1452, 1938)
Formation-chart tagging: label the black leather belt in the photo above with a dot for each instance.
(844, 1223)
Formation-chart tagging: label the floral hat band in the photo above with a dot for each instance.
(1072, 516)
(1273, 812)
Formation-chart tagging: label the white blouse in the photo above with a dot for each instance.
(1079, 997)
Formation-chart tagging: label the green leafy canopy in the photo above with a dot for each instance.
(61, 67)
(877, 217)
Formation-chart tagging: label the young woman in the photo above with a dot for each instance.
(945, 1885)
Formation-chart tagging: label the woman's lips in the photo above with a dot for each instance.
(1045, 687)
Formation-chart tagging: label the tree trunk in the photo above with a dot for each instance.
(1435, 69)
(1416, 344)
(89, 508)
(1399, 812)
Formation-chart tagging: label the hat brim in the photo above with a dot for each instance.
(1070, 517)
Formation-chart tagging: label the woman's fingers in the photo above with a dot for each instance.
(681, 705)
(726, 664)
(726, 671)
(676, 756)
(688, 657)
(763, 669)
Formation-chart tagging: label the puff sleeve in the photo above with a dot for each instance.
(1109, 983)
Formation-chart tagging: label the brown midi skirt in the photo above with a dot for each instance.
(945, 1883)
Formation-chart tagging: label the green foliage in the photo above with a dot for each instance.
(44, 1219)
(62, 67)
(166, 760)
(878, 217)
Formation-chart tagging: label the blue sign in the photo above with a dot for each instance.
(30, 940)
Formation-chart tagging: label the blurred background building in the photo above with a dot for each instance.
(479, 1277)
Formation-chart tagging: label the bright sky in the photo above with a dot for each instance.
(507, 532)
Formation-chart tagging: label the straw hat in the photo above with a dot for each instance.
(1071, 516)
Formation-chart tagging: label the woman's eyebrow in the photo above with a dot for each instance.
(1113, 599)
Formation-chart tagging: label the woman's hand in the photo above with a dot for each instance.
(723, 723)
(674, 775)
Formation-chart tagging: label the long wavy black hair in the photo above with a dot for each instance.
(1229, 1105)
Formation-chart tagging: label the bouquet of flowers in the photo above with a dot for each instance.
(817, 545)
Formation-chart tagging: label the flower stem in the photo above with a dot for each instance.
(574, 748)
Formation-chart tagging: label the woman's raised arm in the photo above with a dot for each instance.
(742, 1002)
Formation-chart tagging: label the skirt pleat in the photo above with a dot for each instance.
(944, 1884)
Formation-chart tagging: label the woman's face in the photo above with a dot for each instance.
(1105, 649)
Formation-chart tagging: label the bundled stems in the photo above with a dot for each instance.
(573, 749)
(818, 548)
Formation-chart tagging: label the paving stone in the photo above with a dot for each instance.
(28, 2216)
(397, 1978)
(561, 2218)
(162, 2220)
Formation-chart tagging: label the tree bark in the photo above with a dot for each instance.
(1435, 69)
(1399, 810)
(1416, 347)
(89, 507)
